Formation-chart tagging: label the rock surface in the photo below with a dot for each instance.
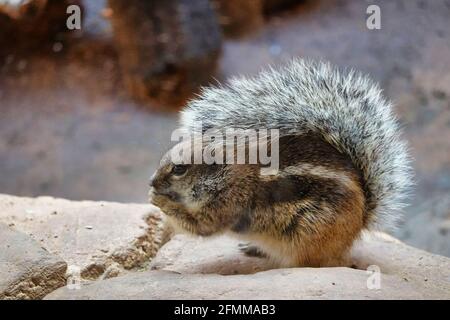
(94, 238)
(422, 270)
(191, 266)
(220, 255)
(27, 271)
(305, 283)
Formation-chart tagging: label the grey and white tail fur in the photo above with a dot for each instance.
(346, 109)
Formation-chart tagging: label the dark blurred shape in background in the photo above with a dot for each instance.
(83, 112)
(167, 49)
(25, 25)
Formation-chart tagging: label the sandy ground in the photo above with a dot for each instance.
(68, 129)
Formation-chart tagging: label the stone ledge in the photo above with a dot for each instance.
(194, 268)
(123, 241)
(100, 239)
(27, 271)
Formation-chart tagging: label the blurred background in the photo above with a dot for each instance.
(87, 113)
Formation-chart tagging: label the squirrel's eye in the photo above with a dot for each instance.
(179, 169)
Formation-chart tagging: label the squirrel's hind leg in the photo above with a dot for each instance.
(251, 250)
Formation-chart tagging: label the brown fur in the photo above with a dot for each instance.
(308, 214)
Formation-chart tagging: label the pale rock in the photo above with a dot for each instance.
(27, 271)
(193, 268)
(221, 255)
(92, 237)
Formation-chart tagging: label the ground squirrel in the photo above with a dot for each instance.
(343, 167)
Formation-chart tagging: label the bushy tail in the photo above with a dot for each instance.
(347, 110)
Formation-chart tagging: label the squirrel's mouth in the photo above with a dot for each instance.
(180, 215)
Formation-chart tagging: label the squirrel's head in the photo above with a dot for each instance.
(203, 199)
